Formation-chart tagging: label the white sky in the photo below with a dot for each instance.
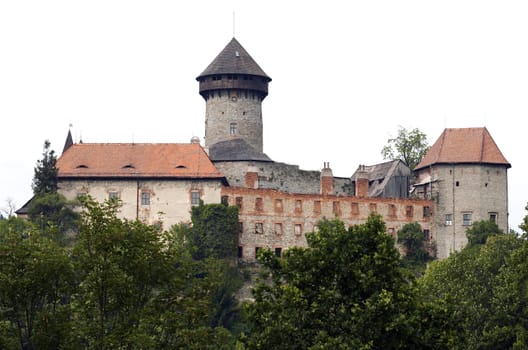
(345, 75)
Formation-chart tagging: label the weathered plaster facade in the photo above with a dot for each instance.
(151, 201)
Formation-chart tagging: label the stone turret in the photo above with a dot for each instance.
(234, 86)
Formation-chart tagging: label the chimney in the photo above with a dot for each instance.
(327, 180)
(252, 177)
(362, 182)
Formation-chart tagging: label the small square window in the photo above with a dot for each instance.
(493, 217)
(278, 205)
(449, 219)
(278, 252)
(233, 128)
(278, 228)
(224, 200)
(259, 228)
(373, 208)
(427, 235)
(409, 211)
(426, 212)
(354, 208)
(145, 198)
(112, 195)
(392, 210)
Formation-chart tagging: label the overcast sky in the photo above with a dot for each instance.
(345, 75)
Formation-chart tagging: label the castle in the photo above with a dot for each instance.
(462, 179)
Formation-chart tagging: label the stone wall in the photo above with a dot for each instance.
(279, 220)
(477, 191)
(242, 108)
(281, 176)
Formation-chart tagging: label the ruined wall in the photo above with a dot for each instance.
(169, 200)
(279, 220)
(281, 176)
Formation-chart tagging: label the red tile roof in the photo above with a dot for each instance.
(465, 145)
(136, 160)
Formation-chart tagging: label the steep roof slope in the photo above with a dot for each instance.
(464, 145)
(234, 59)
(131, 160)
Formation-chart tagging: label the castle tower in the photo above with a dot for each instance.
(234, 86)
(466, 176)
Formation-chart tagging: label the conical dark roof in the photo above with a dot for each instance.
(234, 59)
(69, 141)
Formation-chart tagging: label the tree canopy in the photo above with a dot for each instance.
(410, 146)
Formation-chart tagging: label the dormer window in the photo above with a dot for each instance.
(181, 167)
(81, 166)
(128, 166)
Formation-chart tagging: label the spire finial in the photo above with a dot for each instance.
(233, 24)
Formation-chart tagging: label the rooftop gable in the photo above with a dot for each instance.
(132, 160)
(463, 146)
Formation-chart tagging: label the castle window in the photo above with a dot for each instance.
(145, 198)
(224, 200)
(259, 204)
(457, 183)
(426, 212)
(278, 205)
(317, 207)
(195, 197)
(113, 195)
(449, 219)
(336, 206)
(373, 208)
(297, 229)
(278, 252)
(493, 217)
(233, 128)
(259, 228)
(409, 211)
(298, 206)
(240, 227)
(427, 235)
(240, 252)
(354, 208)
(392, 210)
(238, 202)
(257, 250)
(466, 219)
(278, 228)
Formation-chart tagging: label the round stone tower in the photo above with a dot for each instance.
(234, 86)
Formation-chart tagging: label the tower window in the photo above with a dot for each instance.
(232, 128)
(493, 217)
(195, 197)
(466, 219)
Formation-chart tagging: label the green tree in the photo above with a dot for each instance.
(36, 278)
(214, 238)
(45, 178)
(139, 287)
(465, 286)
(480, 231)
(345, 291)
(411, 237)
(524, 225)
(409, 146)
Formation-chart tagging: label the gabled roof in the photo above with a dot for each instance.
(133, 160)
(235, 150)
(380, 174)
(463, 146)
(234, 59)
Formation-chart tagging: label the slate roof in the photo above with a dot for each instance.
(235, 150)
(464, 146)
(133, 160)
(234, 59)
